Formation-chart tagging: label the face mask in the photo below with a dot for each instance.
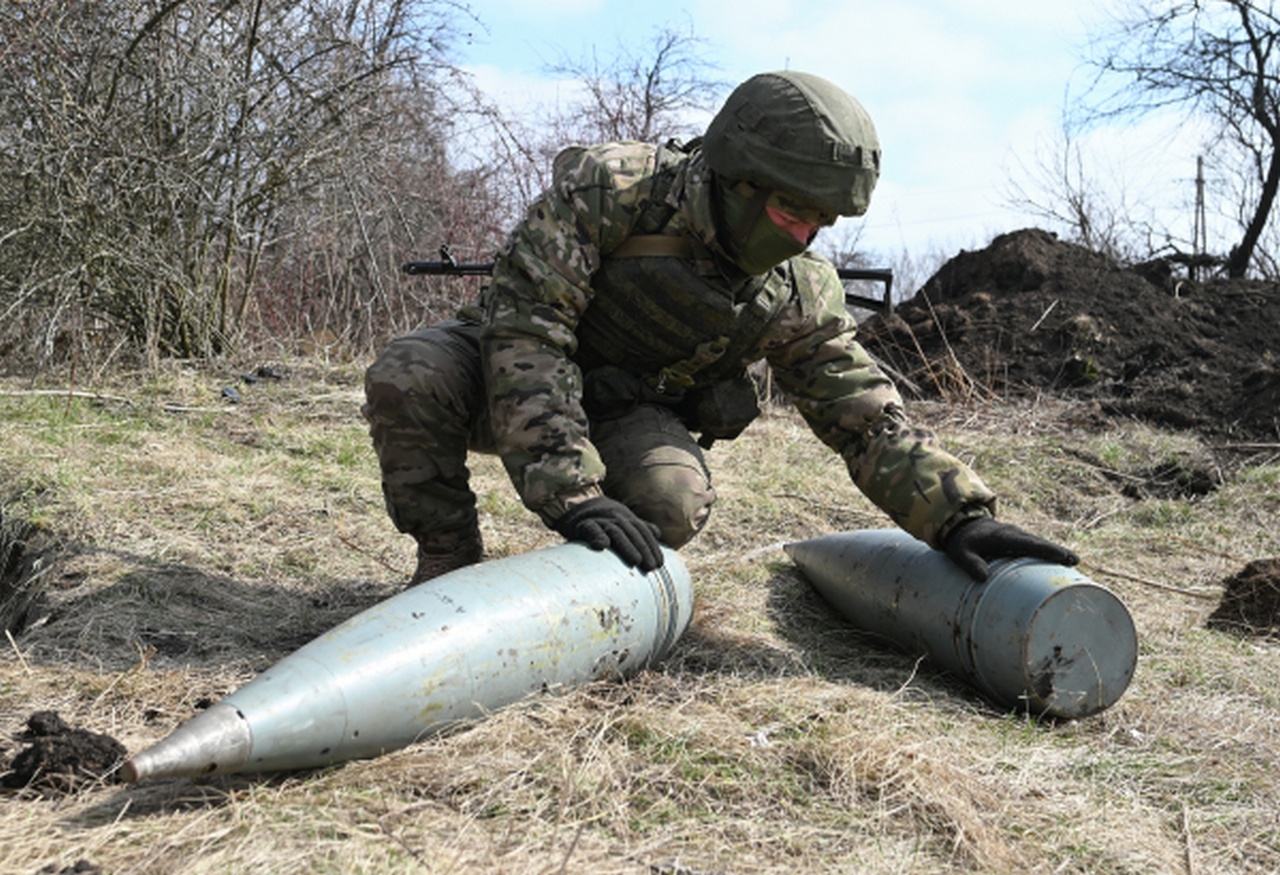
(764, 244)
(767, 245)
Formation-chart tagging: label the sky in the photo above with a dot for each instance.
(965, 94)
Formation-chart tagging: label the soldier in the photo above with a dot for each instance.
(622, 314)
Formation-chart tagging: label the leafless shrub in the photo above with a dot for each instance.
(1067, 188)
(155, 156)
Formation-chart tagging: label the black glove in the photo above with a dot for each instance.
(604, 523)
(975, 542)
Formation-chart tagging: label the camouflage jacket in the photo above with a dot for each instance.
(542, 284)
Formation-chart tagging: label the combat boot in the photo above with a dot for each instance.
(444, 552)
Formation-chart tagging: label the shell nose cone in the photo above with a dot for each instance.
(215, 740)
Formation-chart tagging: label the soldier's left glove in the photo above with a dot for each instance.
(607, 524)
(974, 543)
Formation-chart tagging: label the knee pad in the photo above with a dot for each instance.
(677, 498)
(657, 469)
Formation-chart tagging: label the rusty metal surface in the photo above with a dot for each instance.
(1039, 636)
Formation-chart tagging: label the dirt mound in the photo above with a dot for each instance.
(1031, 313)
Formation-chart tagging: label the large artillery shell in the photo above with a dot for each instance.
(1036, 635)
(438, 654)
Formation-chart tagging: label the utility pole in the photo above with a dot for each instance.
(1199, 239)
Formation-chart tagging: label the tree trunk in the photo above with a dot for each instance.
(1242, 254)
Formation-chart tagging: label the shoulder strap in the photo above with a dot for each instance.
(657, 212)
(648, 241)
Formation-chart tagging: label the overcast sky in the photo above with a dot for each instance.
(963, 92)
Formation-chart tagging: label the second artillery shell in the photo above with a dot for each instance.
(1036, 635)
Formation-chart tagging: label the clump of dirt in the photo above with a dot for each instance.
(1031, 313)
(1250, 602)
(60, 758)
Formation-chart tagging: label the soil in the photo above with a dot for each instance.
(1032, 314)
(59, 758)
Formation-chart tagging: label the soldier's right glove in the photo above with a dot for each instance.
(603, 523)
(974, 543)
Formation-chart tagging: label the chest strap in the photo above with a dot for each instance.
(654, 246)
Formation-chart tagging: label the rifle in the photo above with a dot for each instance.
(448, 265)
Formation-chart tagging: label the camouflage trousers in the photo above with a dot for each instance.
(426, 408)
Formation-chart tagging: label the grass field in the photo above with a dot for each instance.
(193, 542)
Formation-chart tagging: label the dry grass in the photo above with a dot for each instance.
(200, 542)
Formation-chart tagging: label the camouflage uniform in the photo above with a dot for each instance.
(509, 375)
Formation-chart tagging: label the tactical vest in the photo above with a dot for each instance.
(668, 310)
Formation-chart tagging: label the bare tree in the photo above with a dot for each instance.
(1215, 58)
(665, 91)
(646, 96)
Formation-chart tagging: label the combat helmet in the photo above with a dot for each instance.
(797, 133)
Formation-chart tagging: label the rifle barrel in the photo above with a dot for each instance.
(446, 268)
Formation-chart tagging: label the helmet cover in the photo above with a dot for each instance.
(800, 134)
